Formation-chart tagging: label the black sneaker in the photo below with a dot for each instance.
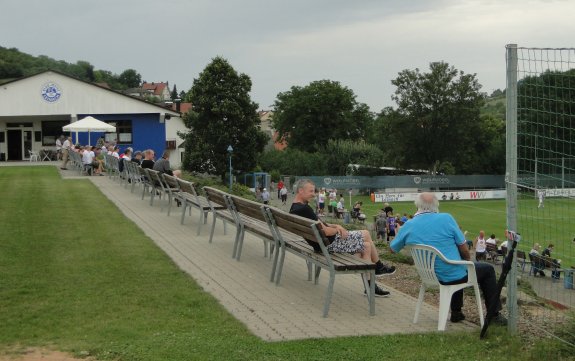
(457, 316)
(379, 292)
(499, 320)
(384, 270)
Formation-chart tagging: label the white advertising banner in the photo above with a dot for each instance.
(462, 195)
(560, 192)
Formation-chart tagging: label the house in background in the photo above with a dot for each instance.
(160, 90)
(34, 109)
(266, 125)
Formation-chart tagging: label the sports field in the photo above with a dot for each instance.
(550, 224)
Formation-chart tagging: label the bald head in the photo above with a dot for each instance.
(427, 202)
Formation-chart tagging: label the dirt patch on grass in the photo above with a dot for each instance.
(38, 354)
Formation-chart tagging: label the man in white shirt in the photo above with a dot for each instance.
(266, 196)
(87, 159)
(541, 196)
(66, 146)
(59, 147)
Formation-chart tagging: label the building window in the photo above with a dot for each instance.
(51, 130)
(123, 133)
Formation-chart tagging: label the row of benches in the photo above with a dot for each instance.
(280, 231)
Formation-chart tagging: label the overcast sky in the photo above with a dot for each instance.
(363, 43)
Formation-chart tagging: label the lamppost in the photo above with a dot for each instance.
(230, 150)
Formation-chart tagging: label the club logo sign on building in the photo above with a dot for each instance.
(51, 92)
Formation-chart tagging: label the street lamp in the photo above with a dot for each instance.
(230, 150)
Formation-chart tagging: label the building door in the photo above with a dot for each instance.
(14, 144)
(19, 142)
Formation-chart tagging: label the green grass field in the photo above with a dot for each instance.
(77, 276)
(551, 224)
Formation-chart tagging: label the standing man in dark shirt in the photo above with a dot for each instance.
(342, 240)
(148, 161)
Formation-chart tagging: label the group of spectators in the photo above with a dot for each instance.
(427, 226)
(93, 157)
(538, 262)
(480, 244)
(387, 224)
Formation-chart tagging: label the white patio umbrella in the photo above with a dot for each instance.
(88, 124)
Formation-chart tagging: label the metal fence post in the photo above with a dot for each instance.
(511, 176)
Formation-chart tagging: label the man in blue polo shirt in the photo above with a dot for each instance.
(429, 227)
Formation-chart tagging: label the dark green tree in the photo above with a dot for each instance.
(437, 120)
(293, 162)
(223, 115)
(546, 122)
(130, 79)
(174, 93)
(307, 117)
(342, 156)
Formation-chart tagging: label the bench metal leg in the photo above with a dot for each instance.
(240, 244)
(202, 217)
(237, 241)
(275, 262)
(184, 206)
(329, 293)
(370, 291)
(213, 228)
(169, 204)
(280, 266)
(317, 271)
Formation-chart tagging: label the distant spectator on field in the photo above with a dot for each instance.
(492, 240)
(480, 246)
(283, 195)
(387, 208)
(547, 253)
(381, 226)
(537, 265)
(280, 186)
(265, 196)
(391, 226)
(502, 249)
(404, 218)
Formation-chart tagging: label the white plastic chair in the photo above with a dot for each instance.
(34, 156)
(424, 258)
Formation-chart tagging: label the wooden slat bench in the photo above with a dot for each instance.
(540, 263)
(491, 252)
(190, 198)
(172, 187)
(291, 232)
(218, 201)
(249, 217)
(157, 185)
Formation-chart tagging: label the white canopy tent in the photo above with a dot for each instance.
(88, 124)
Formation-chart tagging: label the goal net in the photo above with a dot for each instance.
(541, 187)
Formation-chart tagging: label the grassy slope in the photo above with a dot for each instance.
(77, 276)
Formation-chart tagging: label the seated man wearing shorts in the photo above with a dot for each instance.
(342, 240)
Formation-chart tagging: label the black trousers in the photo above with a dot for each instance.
(487, 280)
